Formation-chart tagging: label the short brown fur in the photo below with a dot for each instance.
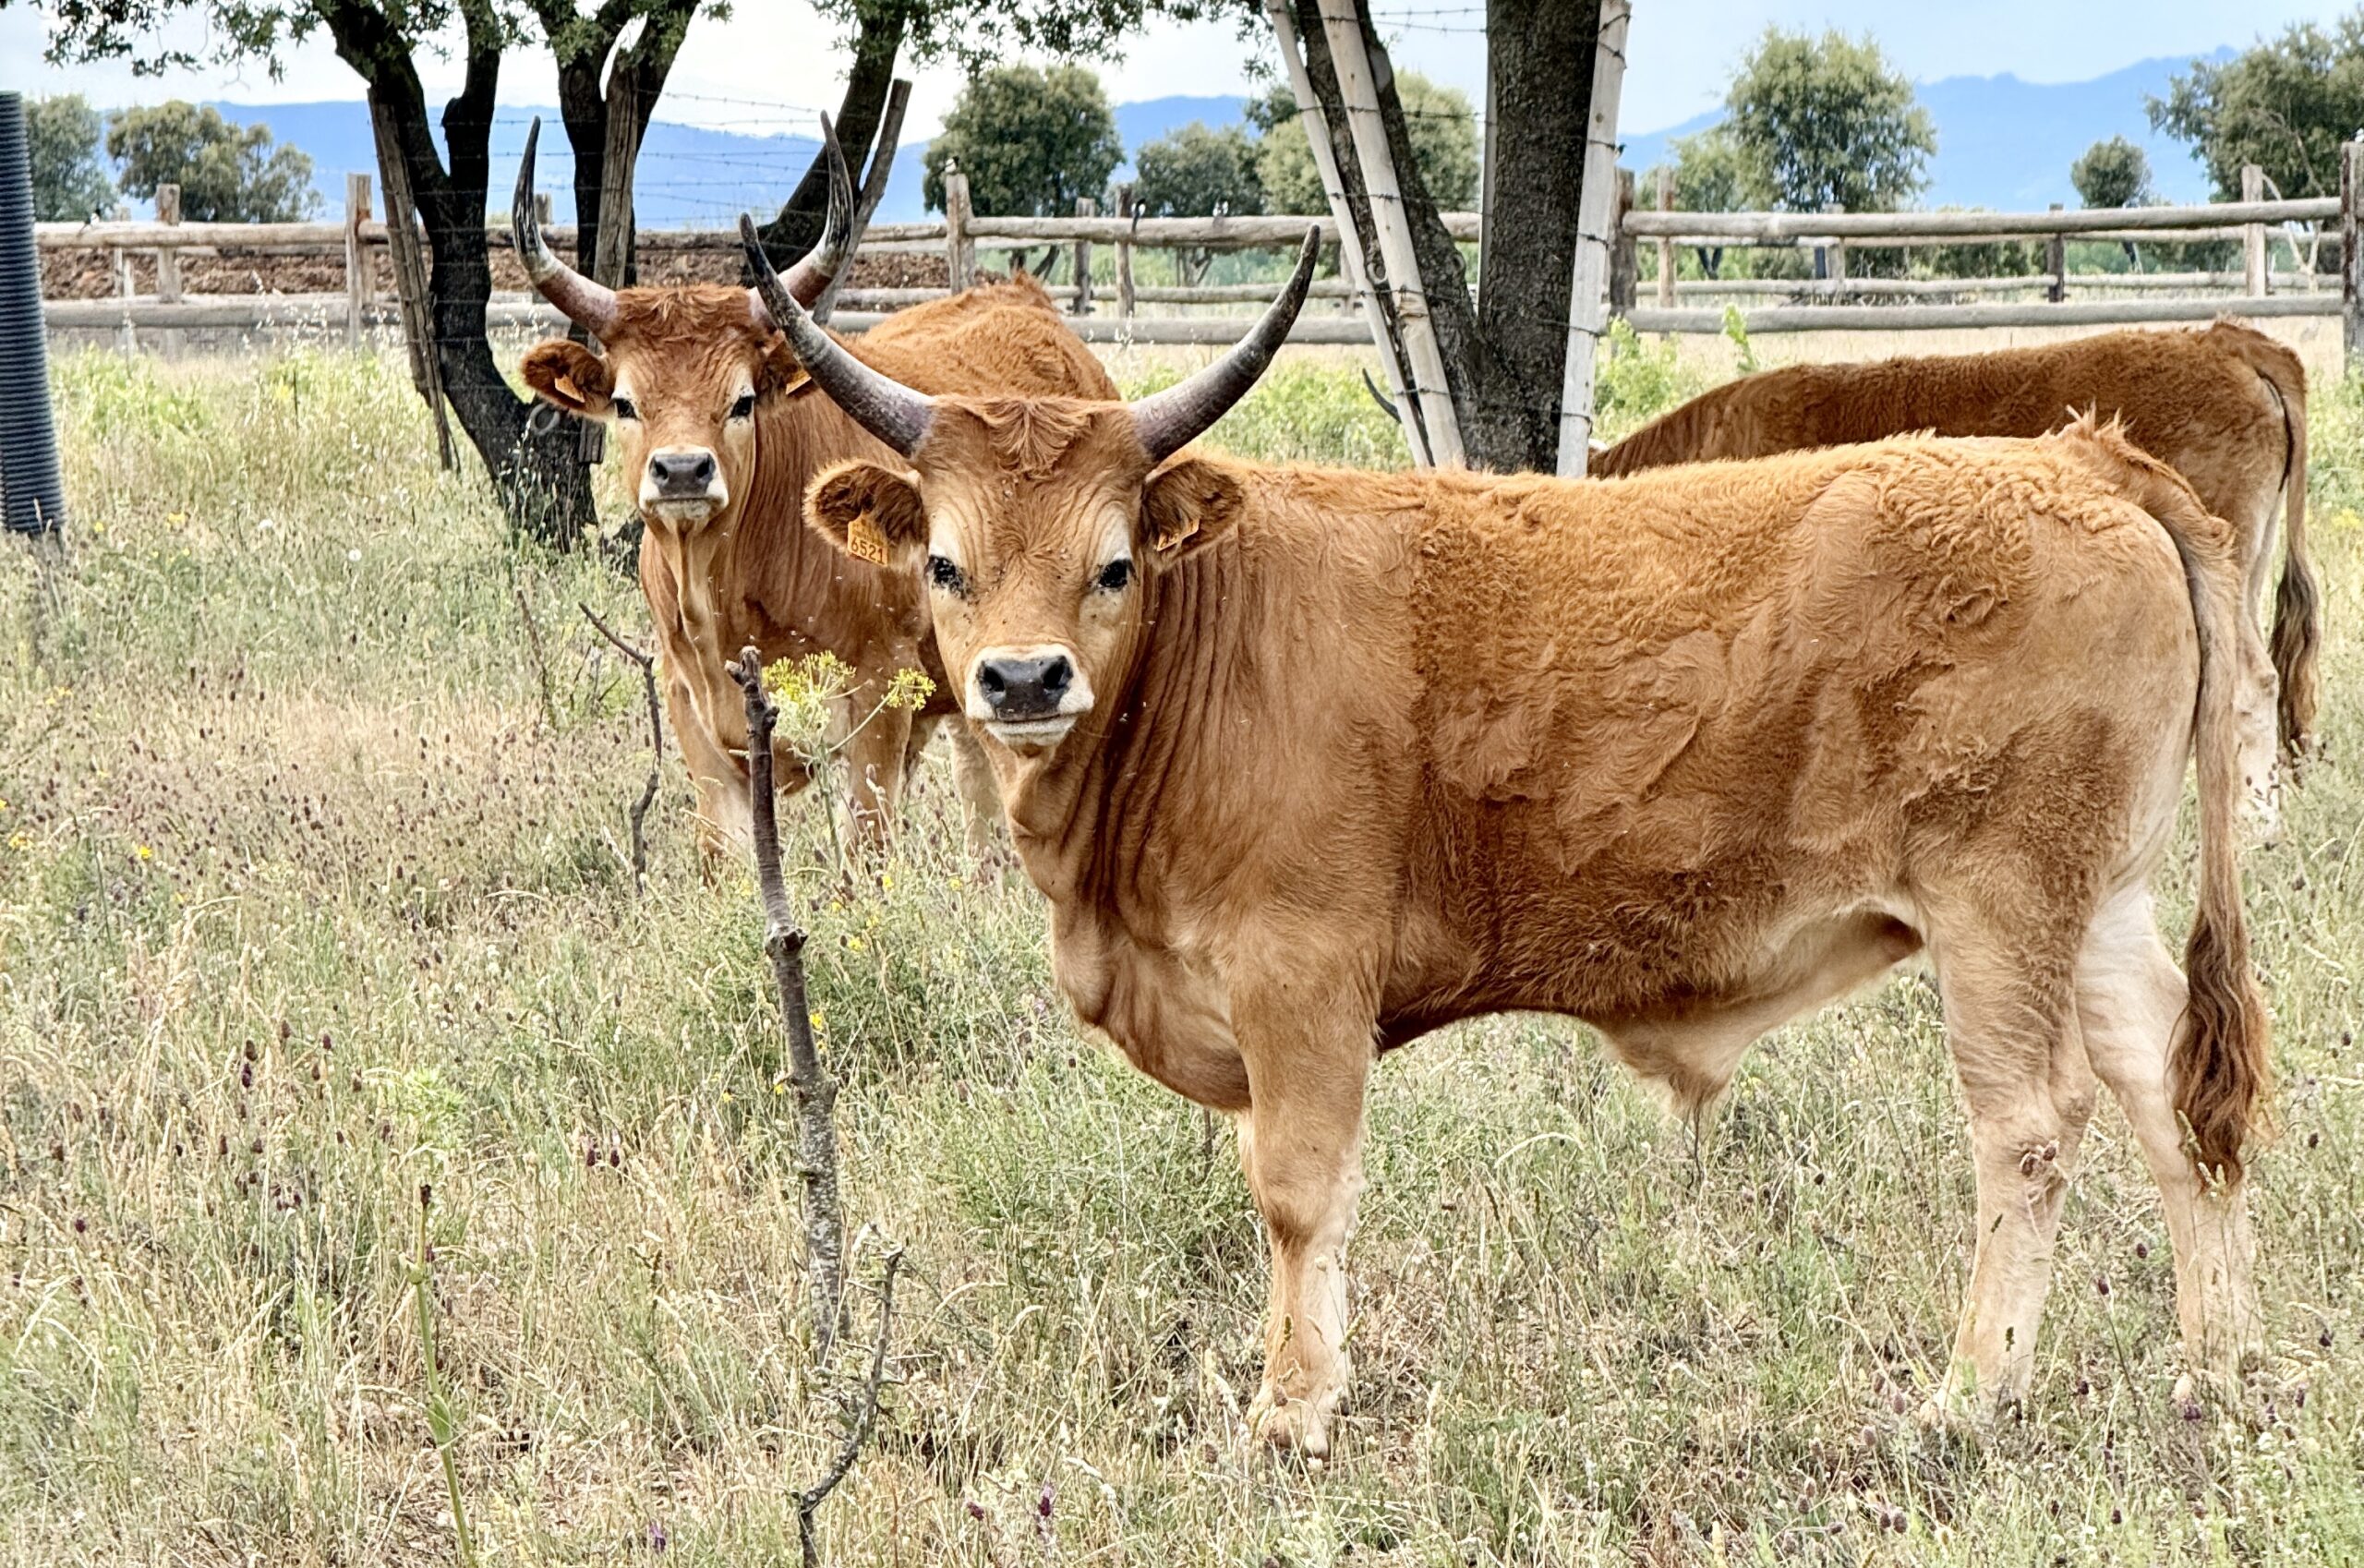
(2225, 406)
(1684, 756)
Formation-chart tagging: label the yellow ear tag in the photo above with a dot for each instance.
(864, 542)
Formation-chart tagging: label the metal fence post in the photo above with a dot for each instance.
(2056, 261)
(32, 497)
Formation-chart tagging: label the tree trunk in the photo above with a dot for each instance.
(1503, 355)
(797, 228)
(588, 86)
(1539, 89)
(545, 492)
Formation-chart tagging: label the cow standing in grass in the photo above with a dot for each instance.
(1309, 762)
(720, 433)
(2225, 408)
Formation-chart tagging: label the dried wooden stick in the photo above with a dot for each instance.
(655, 747)
(816, 1094)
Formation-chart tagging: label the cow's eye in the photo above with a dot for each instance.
(625, 408)
(945, 576)
(1114, 576)
(745, 407)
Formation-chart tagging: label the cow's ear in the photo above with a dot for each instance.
(564, 373)
(782, 371)
(1186, 506)
(872, 513)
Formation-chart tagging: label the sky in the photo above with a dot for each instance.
(736, 74)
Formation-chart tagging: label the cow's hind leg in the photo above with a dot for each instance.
(2129, 1001)
(2012, 1025)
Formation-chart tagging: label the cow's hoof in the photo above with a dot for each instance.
(1299, 1427)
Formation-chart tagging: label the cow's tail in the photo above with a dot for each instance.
(2297, 636)
(2219, 1061)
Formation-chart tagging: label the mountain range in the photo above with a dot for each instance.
(2002, 143)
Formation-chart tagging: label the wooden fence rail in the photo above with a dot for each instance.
(1835, 302)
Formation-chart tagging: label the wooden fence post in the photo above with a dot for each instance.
(124, 290)
(1085, 207)
(1666, 245)
(1836, 255)
(960, 250)
(1624, 260)
(360, 286)
(1125, 300)
(1351, 263)
(1588, 280)
(2351, 252)
(168, 260)
(1359, 93)
(409, 267)
(2056, 261)
(2255, 281)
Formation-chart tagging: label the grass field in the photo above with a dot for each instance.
(313, 890)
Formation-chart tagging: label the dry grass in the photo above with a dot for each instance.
(310, 895)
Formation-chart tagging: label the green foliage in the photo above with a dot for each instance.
(1636, 381)
(227, 173)
(70, 183)
(2114, 172)
(1439, 120)
(1030, 141)
(1828, 120)
(2284, 105)
(977, 34)
(1711, 173)
(1197, 173)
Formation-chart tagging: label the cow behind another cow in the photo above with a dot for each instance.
(1309, 762)
(2225, 406)
(720, 433)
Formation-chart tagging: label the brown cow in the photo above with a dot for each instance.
(2225, 408)
(1309, 762)
(722, 432)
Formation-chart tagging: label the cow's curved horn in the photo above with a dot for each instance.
(879, 404)
(810, 276)
(587, 304)
(1179, 414)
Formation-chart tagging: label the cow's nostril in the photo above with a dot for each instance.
(990, 681)
(1057, 675)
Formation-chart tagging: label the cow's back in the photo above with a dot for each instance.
(1001, 338)
(2194, 400)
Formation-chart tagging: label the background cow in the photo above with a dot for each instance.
(2225, 408)
(1309, 762)
(720, 437)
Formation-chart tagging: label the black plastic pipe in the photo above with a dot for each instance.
(29, 481)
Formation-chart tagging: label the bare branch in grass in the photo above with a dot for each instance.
(864, 1415)
(816, 1094)
(655, 747)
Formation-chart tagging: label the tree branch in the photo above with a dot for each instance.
(816, 1094)
(865, 1415)
(655, 747)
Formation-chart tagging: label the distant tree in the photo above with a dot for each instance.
(1197, 172)
(228, 174)
(2285, 105)
(1030, 141)
(1440, 124)
(1828, 120)
(1710, 176)
(70, 183)
(2115, 173)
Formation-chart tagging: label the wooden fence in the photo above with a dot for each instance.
(1110, 310)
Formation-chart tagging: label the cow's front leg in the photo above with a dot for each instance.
(873, 739)
(1307, 1056)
